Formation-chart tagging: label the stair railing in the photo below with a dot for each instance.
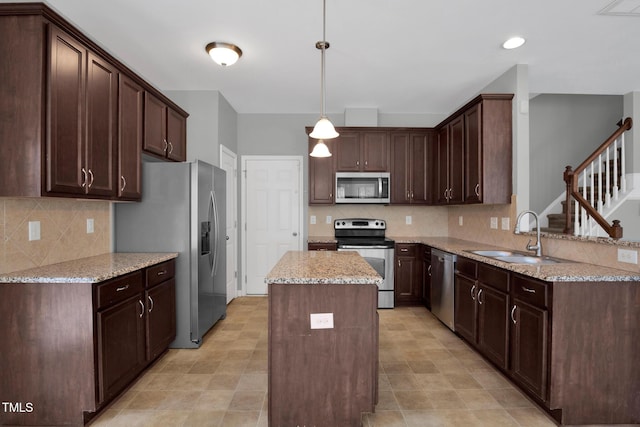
(612, 151)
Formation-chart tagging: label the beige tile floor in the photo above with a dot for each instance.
(428, 377)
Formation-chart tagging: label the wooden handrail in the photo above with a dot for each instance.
(614, 230)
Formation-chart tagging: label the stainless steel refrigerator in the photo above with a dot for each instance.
(182, 210)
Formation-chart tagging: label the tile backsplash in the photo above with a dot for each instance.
(63, 231)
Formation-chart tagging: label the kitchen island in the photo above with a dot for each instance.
(323, 339)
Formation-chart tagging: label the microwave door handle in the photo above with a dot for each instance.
(380, 187)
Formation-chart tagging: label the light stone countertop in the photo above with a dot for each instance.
(93, 269)
(570, 271)
(323, 267)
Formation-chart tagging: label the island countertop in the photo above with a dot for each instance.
(92, 269)
(323, 267)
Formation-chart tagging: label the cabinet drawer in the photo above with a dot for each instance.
(119, 289)
(494, 277)
(322, 246)
(467, 267)
(532, 291)
(160, 272)
(406, 249)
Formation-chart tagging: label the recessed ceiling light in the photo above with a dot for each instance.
(513, 43)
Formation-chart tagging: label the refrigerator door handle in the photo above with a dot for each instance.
(210, 219)
(216, 232)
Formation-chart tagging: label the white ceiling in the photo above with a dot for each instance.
(399, 56)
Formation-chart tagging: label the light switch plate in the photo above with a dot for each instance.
(34, 230)
(312, 219)
(460, 220)
(90, 227)
(408, 219)
(494, 222)
(329, 219)
(505, 223)
(628, 256)
(321, 320)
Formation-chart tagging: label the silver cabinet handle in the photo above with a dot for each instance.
(84, 177)
(479, 295)
(151, 301)
(473, 289)
(122, 288)
(170, 147)
(91, 176)
(531, 291)
(404, 249)
(142, 307)
(513, 310)
(450, 193)
(477, 190)
(429, 270)
(124, 182)
(357, 162)
(162, 273)
(166, 145)
(446, 190)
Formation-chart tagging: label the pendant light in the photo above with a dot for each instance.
(324, 128)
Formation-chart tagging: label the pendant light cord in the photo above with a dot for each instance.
(323, 45)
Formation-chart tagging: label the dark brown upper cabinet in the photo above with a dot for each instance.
(410, 153)
(74, 125)
(363, 150)
(165, 130)
(322, 175)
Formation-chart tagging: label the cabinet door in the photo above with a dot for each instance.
(400, 159)
(405, 280)
(176, 136)
(375, 148)
(426, 276)
(66, 101)
(493, 325)
(465, 307)
(121, 343)
(102, 98)
(322, 175)
(131, 122)
(347, 149)
(418, 169)
(529, 347)
(161, 317)
(473, 155)
(322, 246)
(442, 166)
(155, 125)
(456, 160)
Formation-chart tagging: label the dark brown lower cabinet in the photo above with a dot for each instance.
(571, 346)
(322, 246)
(76, 346)
(120, 342)
(408, 274)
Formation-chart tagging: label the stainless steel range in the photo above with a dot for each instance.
(367, 237)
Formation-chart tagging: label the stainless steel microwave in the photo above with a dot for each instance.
(363, 187)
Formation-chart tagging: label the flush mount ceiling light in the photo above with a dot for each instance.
(224, 54)
(513, 42)
(324, 128)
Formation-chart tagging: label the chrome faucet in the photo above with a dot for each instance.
(538, 246)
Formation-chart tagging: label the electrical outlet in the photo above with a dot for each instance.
(329, 220)
(34, 230)
(505, 223)
(494, 222)
(89, 225)
(321, 320)
(628, 256)
(460, 220)
(407, 219)
(312, 219)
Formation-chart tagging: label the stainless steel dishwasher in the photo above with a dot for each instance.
(443, 265)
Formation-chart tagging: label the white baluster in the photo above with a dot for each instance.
(616, 184)
(623, 172)
(600, 187)
(607, 181)
(592, 184)
(576, 222)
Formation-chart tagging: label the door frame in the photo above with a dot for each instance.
(224, 151)
(243, 229)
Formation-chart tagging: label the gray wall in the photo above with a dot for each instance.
(564, 130)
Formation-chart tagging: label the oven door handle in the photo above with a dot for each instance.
(362, 247)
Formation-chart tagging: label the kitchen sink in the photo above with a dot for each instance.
(514, 257)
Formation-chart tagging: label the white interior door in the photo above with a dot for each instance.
(229, 162)
(272, 212)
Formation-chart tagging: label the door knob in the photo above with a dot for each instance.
(295, 233)
(227, 237)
